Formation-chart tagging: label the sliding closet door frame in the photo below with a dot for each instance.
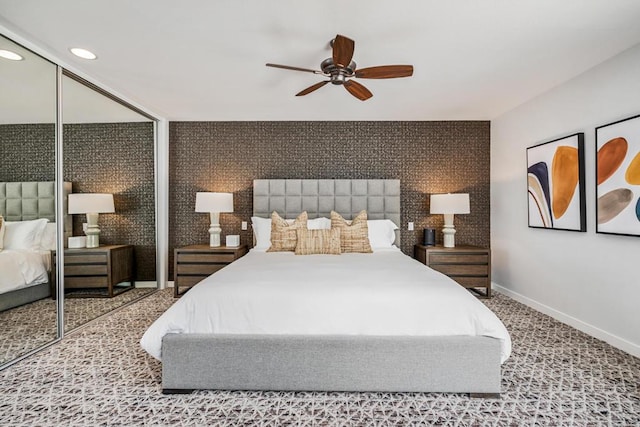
(59, 273)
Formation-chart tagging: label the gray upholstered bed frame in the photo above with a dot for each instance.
(457, 364)
(22, 201)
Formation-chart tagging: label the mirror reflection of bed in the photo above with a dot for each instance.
(29, 236)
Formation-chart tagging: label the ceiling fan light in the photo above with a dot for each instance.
(7, 54)
(83, 53)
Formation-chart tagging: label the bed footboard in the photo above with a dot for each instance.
(456, 364)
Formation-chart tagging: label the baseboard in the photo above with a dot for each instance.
(170, 284)
(605, 336)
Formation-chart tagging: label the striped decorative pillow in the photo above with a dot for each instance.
(283, 234)
(354, 237)
(311, 242)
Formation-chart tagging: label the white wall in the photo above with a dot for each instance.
(588, 280)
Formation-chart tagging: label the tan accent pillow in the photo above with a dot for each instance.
(1, 233)
(312, 242)
(354, 237)
(283, 234)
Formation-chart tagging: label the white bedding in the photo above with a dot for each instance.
(383, 293)
(21, 268)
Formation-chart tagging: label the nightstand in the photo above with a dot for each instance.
(470, 266)
(96, 268)
(196, 262)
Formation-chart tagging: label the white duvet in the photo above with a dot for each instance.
(21, 268)
(383, 293)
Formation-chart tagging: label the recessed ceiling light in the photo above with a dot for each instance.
(7, 54)
(83, 53)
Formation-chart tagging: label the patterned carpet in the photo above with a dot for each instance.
(556, 376)
(33, 325)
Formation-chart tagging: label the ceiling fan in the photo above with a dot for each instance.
(340, 69)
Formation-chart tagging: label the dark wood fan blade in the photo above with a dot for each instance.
(287, 67)
(385, 72)
(312, 88)
(342, 50)
(357, 90)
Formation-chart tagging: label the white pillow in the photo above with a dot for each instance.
(262, 229)
(319, 224)
(24, 234)
(2, 227)
(262, 232)
(381, 233)
(49, 237)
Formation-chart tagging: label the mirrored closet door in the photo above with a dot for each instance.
(109, 161)
(28, 309)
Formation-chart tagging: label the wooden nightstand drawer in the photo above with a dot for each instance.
(198, 269)
(461, 269)
(86, 282)
(70, 259)
(85, 270)
(189, 280)
(470, 266)
(453, 258)
(206, 258)
(197, 262)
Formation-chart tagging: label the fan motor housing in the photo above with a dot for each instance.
(338, 75)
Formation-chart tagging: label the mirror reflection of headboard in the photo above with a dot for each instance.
(23, 201)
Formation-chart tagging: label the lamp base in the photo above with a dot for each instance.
(93, 231)
(449, 232)
(214, 230)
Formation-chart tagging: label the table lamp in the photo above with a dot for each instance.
(214, 204)
(448, 205)
(91, 204)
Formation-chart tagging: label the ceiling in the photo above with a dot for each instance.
(204, 59)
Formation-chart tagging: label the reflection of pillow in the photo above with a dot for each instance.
(48, 241)
(382, 233)
(262, 231)
(354, 237)
(24, 234)
(318, 242)
(1, 232)
(283, 234)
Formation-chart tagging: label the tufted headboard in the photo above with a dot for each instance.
(22, 201)
(289, 197)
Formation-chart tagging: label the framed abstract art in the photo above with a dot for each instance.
(618, 177)
(556, 184)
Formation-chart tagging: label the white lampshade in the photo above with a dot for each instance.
(450, 203)
(91, 203)
(214, 202)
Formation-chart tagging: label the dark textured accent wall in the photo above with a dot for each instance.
(117, 158)
(27, 152)
(113, 158)
(427, 157)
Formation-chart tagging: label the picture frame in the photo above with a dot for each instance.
(618, 177)
(556, 184)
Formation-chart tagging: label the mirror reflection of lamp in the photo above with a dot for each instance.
(448, 205)
(214, 203)
(91, 204)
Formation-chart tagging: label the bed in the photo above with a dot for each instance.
(27, 272)
(278, 321)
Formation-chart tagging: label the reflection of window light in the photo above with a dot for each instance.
(7, 54)
(83, 53)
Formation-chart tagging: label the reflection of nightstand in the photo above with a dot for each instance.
(470, 266)
(196, 262)
(96, 268)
